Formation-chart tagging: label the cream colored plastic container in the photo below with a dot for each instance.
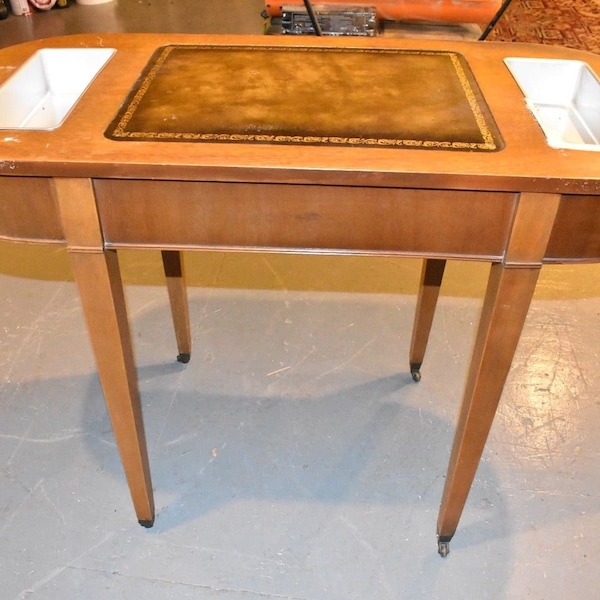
(564, 97)
(44, 90)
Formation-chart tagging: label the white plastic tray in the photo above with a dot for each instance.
(42, 92)
(564, 97)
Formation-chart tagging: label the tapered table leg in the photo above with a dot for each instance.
(505, 307)
(429, 290)
(101, 291)
(173, 266)
(510, 289)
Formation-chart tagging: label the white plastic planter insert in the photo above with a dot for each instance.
(42, 92)
(564, 97)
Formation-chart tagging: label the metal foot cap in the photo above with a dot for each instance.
(146, 523)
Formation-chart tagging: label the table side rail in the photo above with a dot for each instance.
(29, 211)
(575, 236)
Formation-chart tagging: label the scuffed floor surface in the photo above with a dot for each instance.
(293, 457)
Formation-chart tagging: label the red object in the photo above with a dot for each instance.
(443, 11)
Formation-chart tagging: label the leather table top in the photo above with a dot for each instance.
(308, 95)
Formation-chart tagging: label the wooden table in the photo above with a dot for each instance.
(518, 208)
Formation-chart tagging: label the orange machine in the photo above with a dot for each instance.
(443, 11)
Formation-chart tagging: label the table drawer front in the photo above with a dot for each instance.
(303, 218)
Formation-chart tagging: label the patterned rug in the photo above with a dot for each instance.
(570, 23)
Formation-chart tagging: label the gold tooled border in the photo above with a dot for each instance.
(491, 138)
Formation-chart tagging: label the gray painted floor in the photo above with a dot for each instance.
(293, 457)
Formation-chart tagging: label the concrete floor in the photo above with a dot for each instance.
(293, 458)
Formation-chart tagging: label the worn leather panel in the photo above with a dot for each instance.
(306, 95)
